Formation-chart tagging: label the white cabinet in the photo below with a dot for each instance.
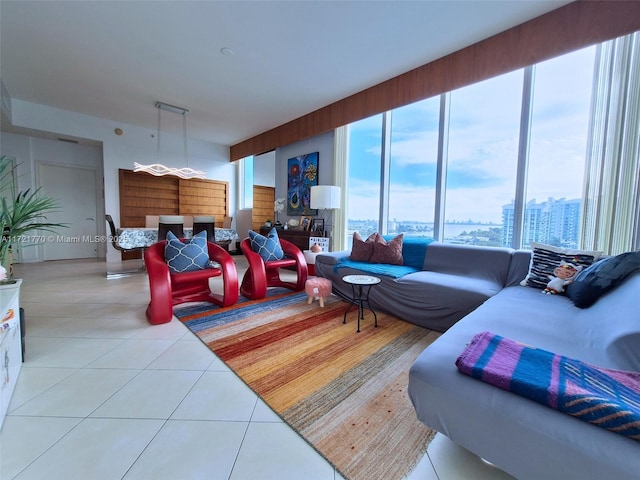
(10, 343)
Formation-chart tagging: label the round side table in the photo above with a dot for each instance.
(360, 288)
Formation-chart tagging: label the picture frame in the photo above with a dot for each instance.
(302, 174)
(317, 225)
(305, 222)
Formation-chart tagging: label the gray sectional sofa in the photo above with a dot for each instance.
(524, 438)
(453, 281)
(467, 290)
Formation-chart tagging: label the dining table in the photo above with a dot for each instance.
(132, 237)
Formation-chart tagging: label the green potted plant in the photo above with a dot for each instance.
(23, 212)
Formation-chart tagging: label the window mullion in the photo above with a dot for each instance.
(385, 172)
(523, 157)
(441, 168)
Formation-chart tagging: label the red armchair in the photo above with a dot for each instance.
(168, 289)
(261, 274)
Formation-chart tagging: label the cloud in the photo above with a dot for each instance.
(414, 149)
(483, 146)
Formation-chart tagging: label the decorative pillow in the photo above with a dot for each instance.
(268, 247)
(547, 258)
(361, 250)
(186, 257)
(387, 252)
(601, 277)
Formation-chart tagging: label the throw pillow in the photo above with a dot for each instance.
(186, 257)
(599, 278)
(268, 247)
(546, 258)
(387, 252)
(362, 250)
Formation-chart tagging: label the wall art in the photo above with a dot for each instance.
(302, 174)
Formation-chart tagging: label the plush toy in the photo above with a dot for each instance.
(563, 275)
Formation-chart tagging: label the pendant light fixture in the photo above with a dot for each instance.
(158, 169)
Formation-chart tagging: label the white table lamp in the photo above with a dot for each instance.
(325, 197)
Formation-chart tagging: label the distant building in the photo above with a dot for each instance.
(555, 222)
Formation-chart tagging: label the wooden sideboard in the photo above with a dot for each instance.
(300, 238)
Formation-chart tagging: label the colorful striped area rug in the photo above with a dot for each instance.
(344, 392)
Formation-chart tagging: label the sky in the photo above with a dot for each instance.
(483, 146)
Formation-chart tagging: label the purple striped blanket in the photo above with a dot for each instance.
(604, 397)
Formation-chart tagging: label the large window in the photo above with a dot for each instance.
(559, 127)
(413, 164)
(495, 160)
(365, 147)
(482, 158)
(246, 172)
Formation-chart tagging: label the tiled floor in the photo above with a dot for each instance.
(104, 395)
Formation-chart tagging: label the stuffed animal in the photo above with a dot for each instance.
(563, 275)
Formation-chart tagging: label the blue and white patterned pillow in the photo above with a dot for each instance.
(186, 257)
(268, 247)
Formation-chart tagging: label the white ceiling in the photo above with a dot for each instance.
(114, 59)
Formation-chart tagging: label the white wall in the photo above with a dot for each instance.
(264, 169)
(29, 151)
(139, 144)
(136, 144)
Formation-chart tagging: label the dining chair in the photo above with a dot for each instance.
(113, 231)
(151, 221)
(226, 223)
(207, 223)
(170, 223)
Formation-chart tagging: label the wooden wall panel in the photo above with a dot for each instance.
(560, 31)
(204, 197)
(145, 194)
(263, 203)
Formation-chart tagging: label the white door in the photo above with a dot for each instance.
(75, 190)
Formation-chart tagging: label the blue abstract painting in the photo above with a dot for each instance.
(302, 174)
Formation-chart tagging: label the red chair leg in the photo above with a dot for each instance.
(160, 309)
(252, 287)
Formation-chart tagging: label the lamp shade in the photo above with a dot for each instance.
(325, 196)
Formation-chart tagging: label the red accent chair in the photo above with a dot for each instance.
(168, 289)
(261, 274)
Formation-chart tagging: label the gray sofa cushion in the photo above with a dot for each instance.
(518, 268)
(469, 261)
(450, 288)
